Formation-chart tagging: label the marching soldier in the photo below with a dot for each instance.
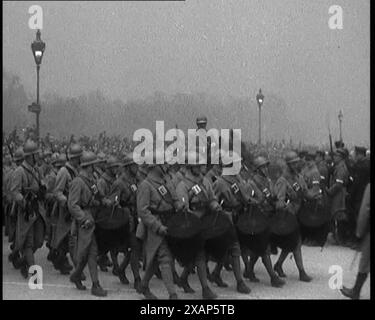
(290, 190)
(265, 194)
(313, 216)
(232, 192)
(62, 239)
(104, 184)
(363, 235)
(126, 186)
(99, 169)
(197, 196)
(155, 204)
(337, 193)
(50, 180)
(361, 177)
(81, 205)
(11, 213)
(28, 192)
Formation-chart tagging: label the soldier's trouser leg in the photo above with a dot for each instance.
(164, 258)
(202, 268)
(114, 254)
(125, 261)
(234, 254)
(134, 255)
(39, 233)
(253, 259)
(282, 257)
(149, 272)
(185, 272)
(266, 259)
(297, 253)
(92, 260)
(27, 250)
(245, 259)
(72, 244)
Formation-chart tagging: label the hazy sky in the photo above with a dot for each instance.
(131, 49)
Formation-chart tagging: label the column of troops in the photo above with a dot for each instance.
(86, 207)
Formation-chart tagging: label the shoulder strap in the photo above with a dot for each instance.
(91, 186)
(71, 172)
(162, 195)
(32, 173)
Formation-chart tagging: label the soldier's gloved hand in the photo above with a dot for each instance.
(163, 230)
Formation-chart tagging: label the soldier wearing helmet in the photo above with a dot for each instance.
(62, 241)
(202, 122)
(82, 200)
(266, 201)
(155, 205)
(10, 212)
(314, 226)
(361, 177)
(26, 190)
(233, 193)
(337, 193)
(104, 183)
(196, 195)
(290, 190)
(50, 180)
(126, 188)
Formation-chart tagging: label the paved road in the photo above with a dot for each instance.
(317, 264)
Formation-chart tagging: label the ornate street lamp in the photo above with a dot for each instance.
(260, 99)
(37, 47)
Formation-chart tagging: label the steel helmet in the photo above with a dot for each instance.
(102, 157)
(292, 157)
(231, 157)
(112, 162)
(201, 119)
(260, 161)
(47, 152)
(30, 148)
(128, 159)
(54, 158)
(75, 151)
(18, 155)
(88, 158)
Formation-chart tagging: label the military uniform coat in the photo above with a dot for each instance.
(62, 220)
(81, 205)
(337, 191)
(26, 177)
(148, 197)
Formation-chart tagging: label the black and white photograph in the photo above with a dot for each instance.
(186, 150)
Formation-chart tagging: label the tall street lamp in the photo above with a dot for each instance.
(37, 47)
(260, 99)
(340, 116)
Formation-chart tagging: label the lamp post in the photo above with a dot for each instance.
(37, 47)
(260, 99)
(340, 116)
